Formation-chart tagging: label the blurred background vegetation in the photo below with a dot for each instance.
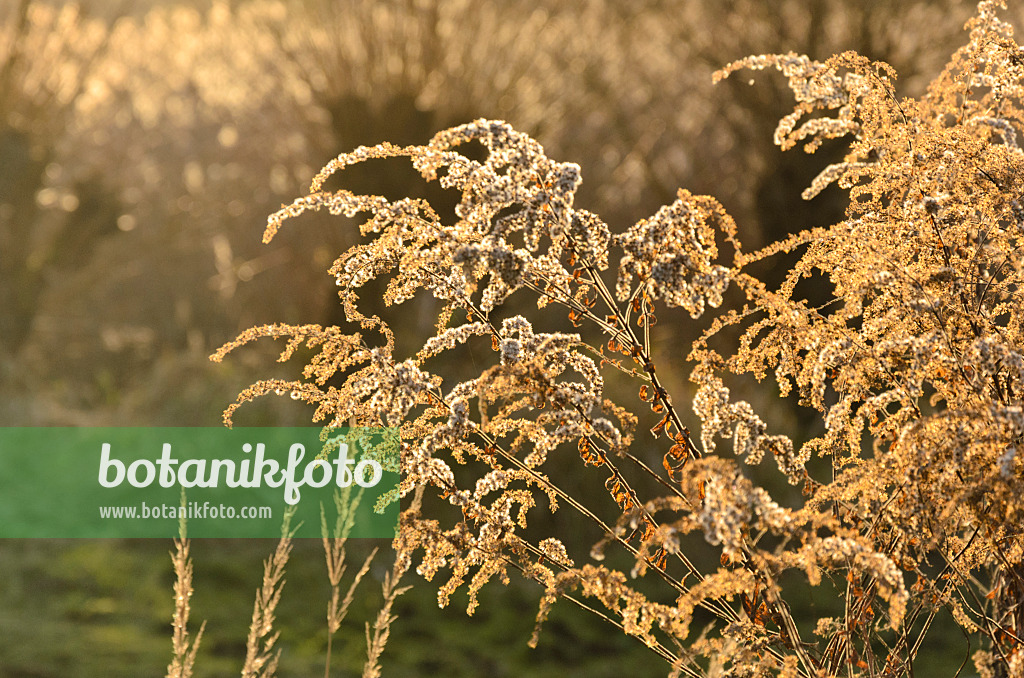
(142, 145)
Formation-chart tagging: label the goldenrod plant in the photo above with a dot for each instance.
(909, 353)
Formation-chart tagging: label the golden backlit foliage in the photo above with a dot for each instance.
(911, 496)
(139, 141)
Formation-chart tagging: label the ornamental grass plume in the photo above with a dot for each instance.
(911, 494)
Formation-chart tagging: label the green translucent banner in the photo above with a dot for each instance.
(144, 482)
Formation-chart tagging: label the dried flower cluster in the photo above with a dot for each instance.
(912, 495)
